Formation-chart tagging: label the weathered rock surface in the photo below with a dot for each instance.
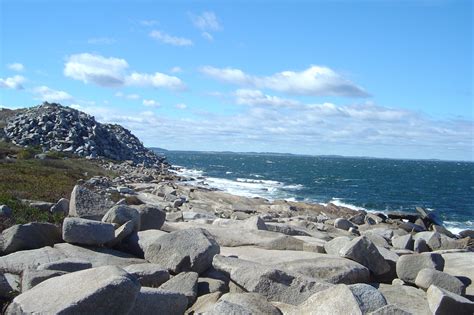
(92, 292)
(408, 266)
(149, 275)
(85, 203)
(426, 277)
(407, 298)
(343, 224)
(186, 250)
(210, 285)
(459, 264)
(157, 301)
(443, 302)
(29, 236)
(184, 283)
(334, 246)
(403, 242)
(389, 309)
(62, 206)
(136, 243)
(87, 232)
(363, 251)
(151, 218)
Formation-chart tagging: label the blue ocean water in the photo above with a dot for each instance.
(359, 183)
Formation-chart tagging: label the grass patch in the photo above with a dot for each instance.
(44, 180)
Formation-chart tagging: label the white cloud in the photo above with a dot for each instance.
(181, 106)
(169, 39)
(101, 41)
(47, 94)
(151, 103)
(112, 72)
(90, 68)
(176, 70)
(15, 82)
(207, 36)
(156, 80)
(127, 96)
(256, 97)
(207, 21)
(315, 80)
(16, 66)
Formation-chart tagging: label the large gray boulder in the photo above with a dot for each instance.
(121, 233)
(408, 266)
(157, 301)
(244, 303)
(363, 251)
(403, 242)
(427, 276)
(274, 284)
(121, 214)
(432, 239)
(329, 268)
(151, 218)
(29, 259)
(137, 242)
(184, 283)
(104, 290)
(343, 299)
(149, 275)
(88, 204)
(87, 232)
(29, 236)
(31, 277)
(343, 224)
(459, 264)
(443, 302)
(185, 250)
(407, 298)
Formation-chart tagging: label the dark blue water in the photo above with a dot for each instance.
(372, 184)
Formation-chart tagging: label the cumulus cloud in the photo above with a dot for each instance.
(91, 68)
(157, 80)
(315, 80)
(47, 94)
(207, 21)
(169, 39)
(16, 66)
(113, 72)
(15, 82)
(151, 103)
(256, 97)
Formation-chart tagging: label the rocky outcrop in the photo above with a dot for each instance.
(58, 128)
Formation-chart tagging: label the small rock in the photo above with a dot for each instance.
(420, 246)
(343, 224)
(403, 242)
(62, 206)
(363, 251)
(121, 214)
(5, 211)
(121, 233)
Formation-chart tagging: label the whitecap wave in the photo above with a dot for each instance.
(455, 226)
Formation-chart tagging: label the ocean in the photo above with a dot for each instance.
(358, 183)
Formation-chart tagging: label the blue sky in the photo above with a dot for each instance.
(368, 78)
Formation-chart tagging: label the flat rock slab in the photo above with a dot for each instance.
(184, 283)
(443, 302)
(407, 298)
(104, 290)
(97, 256)
(87, 232)
(157, 301)
(149, 275)
(29, 259)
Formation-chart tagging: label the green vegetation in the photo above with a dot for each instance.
(43, 180)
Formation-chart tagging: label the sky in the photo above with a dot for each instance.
(357, 78)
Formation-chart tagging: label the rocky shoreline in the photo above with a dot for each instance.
(147, 242)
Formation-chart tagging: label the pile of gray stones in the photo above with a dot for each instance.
(53, 127)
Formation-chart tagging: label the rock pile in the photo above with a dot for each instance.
(57, 128)
(215, 253)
